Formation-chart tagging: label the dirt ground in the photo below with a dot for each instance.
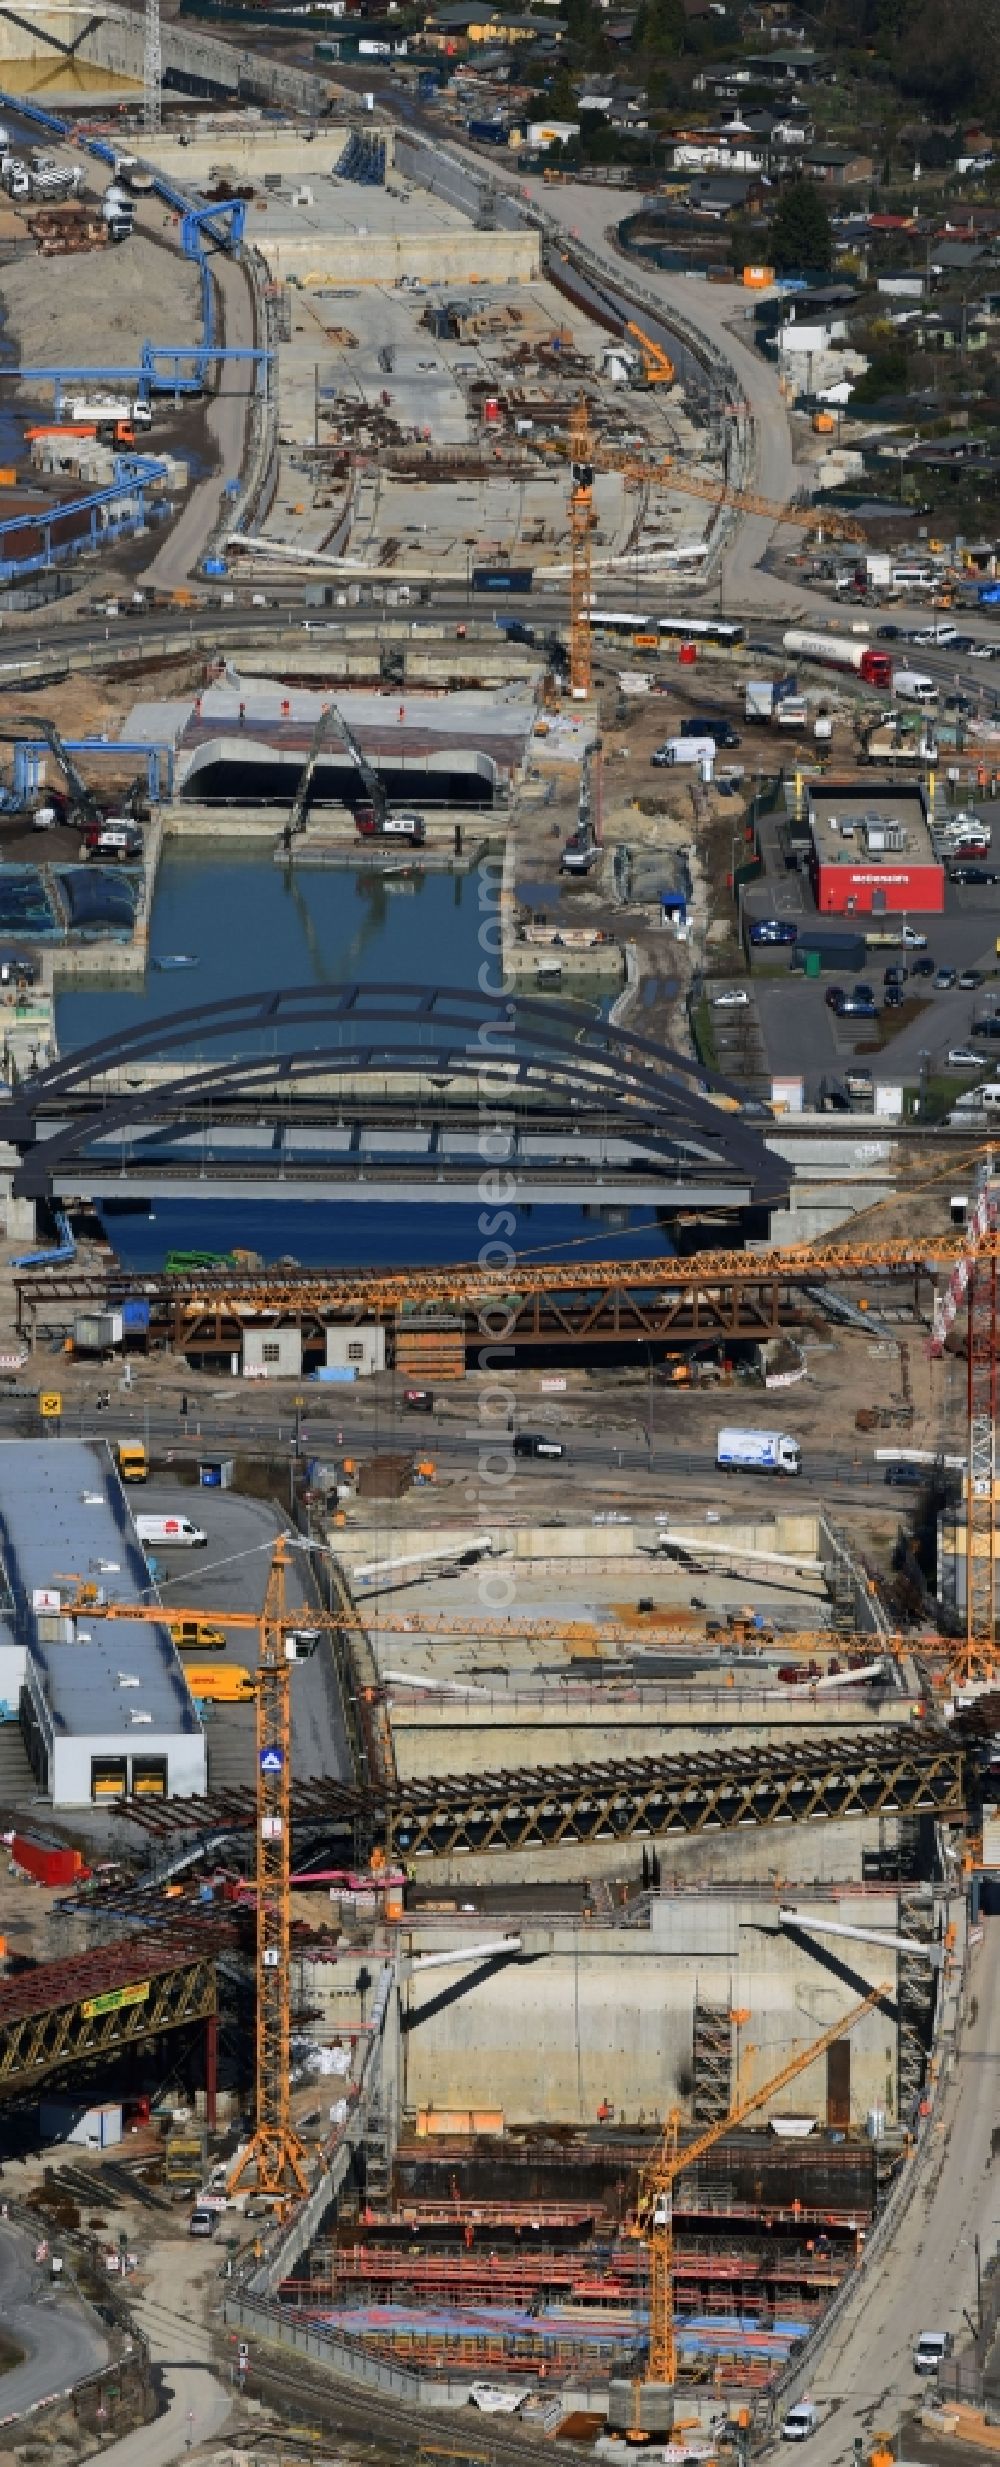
(70, 311)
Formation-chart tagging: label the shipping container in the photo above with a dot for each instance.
(833, 950)
(48, 1861)
(135, 1317)
(97, 1331)
(92, 2128)
(502, 577)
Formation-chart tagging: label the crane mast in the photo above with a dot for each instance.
(275, 2153)
(655, 2206)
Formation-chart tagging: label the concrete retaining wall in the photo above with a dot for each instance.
(612, 2015)
(447, 256)
(116, 43)
(574, 1725)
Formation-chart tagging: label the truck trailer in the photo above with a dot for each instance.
(756, 1451)
(840, 651)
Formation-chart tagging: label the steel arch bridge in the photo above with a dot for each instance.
(292, 1053)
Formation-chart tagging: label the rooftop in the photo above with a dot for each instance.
(898, 810)
(63, 1516)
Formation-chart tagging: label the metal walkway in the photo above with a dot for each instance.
(880, 1773)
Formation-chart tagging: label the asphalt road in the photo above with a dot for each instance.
(231, 1575)
(181, 550)
(237, 1548)
(864, 2378)
(61, 2339)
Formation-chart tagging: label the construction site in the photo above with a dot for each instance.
(498, 1401)
(553, 1967)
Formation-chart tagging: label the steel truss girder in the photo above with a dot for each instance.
(889, 1772)
(36, 2044)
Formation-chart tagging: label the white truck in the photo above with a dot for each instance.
(756, 1451)
(700, 750)
(911, 685)
(774, 702)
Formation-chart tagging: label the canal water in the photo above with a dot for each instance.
(251, 926)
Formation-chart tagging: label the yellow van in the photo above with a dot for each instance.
(197, 1636)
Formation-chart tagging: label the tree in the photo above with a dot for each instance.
(800, 231)
(660, 29)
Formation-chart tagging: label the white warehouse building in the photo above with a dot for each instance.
(105, 1708)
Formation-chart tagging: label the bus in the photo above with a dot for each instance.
(624, 625)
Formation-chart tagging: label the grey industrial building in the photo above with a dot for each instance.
(104, 1705)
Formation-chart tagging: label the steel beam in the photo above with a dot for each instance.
(880, 1773)
(82, 2012)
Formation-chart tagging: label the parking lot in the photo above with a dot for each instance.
(231, 1575)
(789, 1026)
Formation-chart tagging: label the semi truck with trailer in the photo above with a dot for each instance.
(757, 1451)
(840, 651)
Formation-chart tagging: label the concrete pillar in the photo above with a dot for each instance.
(20, 1216)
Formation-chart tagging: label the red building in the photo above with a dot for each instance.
(872, 853)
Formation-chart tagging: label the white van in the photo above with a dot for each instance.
(166, 1532)
(910, 685)
(931, 2349)
(800, 2422)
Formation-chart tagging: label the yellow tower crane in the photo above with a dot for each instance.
(274, 2154)
(587, 458)
(655, 2205)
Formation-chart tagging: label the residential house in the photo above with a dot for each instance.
(837, 166)
(477, 22)
(719, 195)
(785, 65)
(951, 259)
(709, 150)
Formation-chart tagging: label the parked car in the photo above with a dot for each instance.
(888, 633)
(834, 997)
(923, 967)
(964, 874)
(733, 998)
(772, 929)
(894, 974)
(969, 978)
(945, 978)
(892, 997)
(905, 1477)
(864, 993)
(962, 1058)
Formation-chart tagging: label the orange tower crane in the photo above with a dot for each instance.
(655, 2205)
(274, 2154)
(587, 458)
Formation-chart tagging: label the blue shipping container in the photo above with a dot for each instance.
(334, 1374)
(135, 1316)
(487, 132)
(502, 577)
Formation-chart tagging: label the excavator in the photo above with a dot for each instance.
(657, 367)
(105, 833)
(372, 816)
